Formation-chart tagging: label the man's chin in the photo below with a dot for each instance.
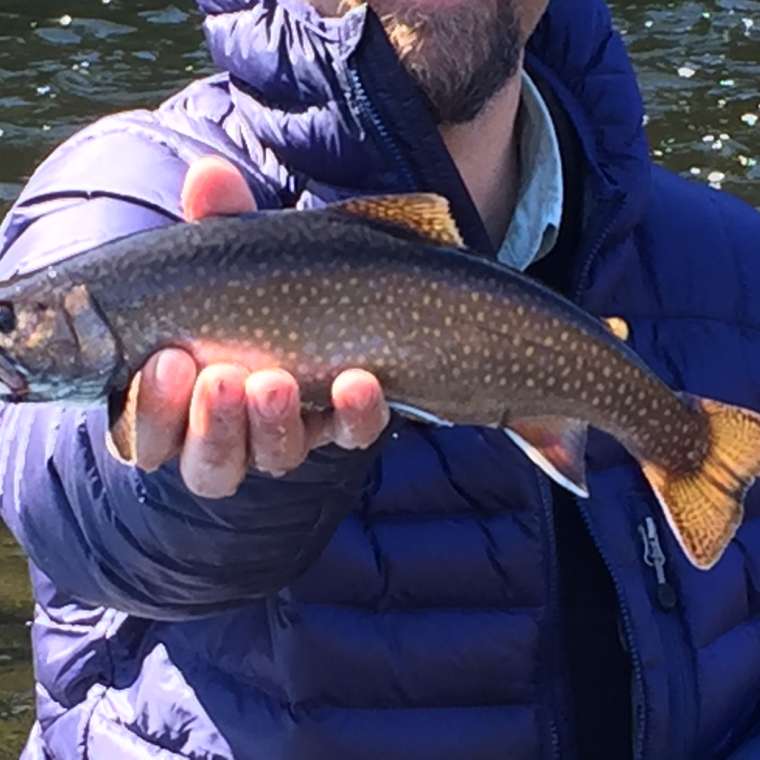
(460, 55)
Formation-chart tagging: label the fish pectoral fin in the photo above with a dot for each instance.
(121, 437)
(557, 445)
(98, 347)
(425, 214)
(704, 506)
(417, 414)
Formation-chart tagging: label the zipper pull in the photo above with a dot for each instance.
(655, 557)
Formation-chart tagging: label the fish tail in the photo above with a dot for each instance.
(705, 506)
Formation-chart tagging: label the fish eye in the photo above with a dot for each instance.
(7, 317)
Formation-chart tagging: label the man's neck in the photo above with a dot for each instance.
(485, 151)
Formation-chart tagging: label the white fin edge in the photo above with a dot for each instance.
(418, 414)
(544, 464)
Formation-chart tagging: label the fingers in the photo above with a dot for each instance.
(166, 386)
(225, 420)
(214, 457)
(213, 412)
(281, 436)
(277, 432)
(361, 412)
(214, 186)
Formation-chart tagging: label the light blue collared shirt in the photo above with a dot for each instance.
(535, 224)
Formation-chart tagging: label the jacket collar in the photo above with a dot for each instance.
(342, 113)
(582, 60)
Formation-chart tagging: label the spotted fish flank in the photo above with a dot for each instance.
(382, 284)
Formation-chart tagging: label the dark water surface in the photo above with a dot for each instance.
(64, 62)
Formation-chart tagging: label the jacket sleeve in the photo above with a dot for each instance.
(113, 535)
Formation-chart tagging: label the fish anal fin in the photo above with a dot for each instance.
(425, 214)
(704, 506)
(557, 445)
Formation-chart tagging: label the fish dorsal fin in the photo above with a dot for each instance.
(555, 444)
(424, 214)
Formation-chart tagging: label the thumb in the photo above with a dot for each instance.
(213, 186)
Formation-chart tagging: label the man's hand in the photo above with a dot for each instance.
(222, 420)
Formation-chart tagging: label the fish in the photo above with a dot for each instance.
(382, 283)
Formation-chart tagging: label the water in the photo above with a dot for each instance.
(699, 67)
(64, 63)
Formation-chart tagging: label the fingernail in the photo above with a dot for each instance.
(227, 394)
(173, 369)
(274, 403)
(361, 401)
(166, 367)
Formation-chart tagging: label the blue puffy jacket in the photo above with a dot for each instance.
(434, 598)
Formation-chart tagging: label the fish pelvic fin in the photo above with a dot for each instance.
(704, 507)
(419, 415)
(426, 215)
(121, 437)
(557, 445)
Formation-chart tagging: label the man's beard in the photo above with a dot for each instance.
(459, 56)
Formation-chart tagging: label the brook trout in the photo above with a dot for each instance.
(383, 284)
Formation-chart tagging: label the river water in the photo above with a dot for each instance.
(65, 62)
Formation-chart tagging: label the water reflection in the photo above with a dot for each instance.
(699, 67)
(61, 65)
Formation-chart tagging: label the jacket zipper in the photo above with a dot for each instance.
(670, 629)
(372, 116)
(654, 557)
(553, 594)
(639, 725)
(630, 640)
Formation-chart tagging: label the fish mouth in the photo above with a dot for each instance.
(13, 385)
